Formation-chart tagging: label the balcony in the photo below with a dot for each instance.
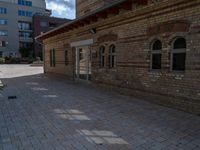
(26, 30)
(26, 39)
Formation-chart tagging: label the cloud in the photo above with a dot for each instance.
(62, 8)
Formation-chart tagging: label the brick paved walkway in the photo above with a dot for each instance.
(53, 114)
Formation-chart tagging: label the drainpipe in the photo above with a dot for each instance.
(43, 51)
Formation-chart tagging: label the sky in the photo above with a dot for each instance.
(62, 8)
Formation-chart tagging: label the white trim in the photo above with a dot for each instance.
(82, 43)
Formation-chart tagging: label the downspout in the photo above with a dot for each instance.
(43, 51)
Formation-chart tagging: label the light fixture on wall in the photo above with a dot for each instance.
(93, 30)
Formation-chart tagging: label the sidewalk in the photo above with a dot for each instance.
(55, 114)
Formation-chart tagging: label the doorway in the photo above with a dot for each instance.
(83, 63)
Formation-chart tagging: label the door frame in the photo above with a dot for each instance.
(76, 45)
(77, 63)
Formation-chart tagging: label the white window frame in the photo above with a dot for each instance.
(177, 51)
(110, 57)
(102, 57)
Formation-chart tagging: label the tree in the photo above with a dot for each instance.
(24, 52)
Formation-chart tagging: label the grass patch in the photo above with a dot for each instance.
(2, 60)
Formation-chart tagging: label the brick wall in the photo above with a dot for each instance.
(132, 32)
(86, 6)
(37, 20)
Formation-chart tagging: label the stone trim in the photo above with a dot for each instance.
(82, 43)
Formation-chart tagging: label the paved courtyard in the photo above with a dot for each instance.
(55, 114)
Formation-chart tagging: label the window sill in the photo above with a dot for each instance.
(102, 68)
(177, 72)
(178, 75)
(155, 71)
(108, 69)
(112, 69)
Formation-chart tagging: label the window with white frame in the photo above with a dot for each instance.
(3, 32)
(25, 13)
(25, 34)
(3, 21)
(156, 55)
(2, 43)
(3, 10)
(24, 25)
(112, 57)
(102, 56)
(25, 3)
(178, 54)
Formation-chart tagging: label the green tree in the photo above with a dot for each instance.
(24, 52)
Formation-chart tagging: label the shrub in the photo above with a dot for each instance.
(15, 60)
(8, 60)
(2, 60)
(24, 52)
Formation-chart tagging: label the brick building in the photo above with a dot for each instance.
(146, 48)
(42, 24)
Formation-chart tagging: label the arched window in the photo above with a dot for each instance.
(156, 50)
(112, 57)
(102, 56)
(179, 54)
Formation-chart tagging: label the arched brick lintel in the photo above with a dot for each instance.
(169, 27)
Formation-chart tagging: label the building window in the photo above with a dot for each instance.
(81, 54)
(3, 10)
(3, 33)
(24, 25)
(156, 50)
(24, 13)
(25, 3)
(43, 24)
(112, 57)
(3, 22)
(52, 25)
(25, 45)
(179, 54)
(66, 57)
(102, 56)
(52, 58)
(2, 43)
(25, 34)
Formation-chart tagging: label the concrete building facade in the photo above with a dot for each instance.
(145, 48)
(16, 24)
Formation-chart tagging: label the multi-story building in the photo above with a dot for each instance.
(16, 24)
(42, 24)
